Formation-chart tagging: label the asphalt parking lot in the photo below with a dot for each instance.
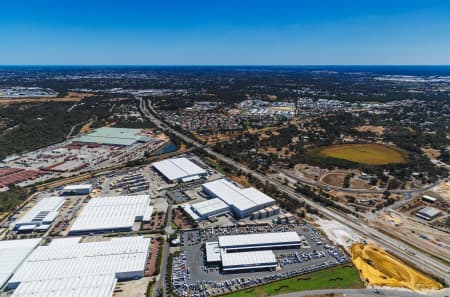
(315, 253)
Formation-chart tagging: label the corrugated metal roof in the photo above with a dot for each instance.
(209, 206)
(56, 261)
(241, 199)
(178, 168)
(12, 253)
(248, 259)
(114, 136)
(116, 212)
(259, 240)
(80, 286)
(212, 251)
(43, 210)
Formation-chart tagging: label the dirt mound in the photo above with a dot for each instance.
(379, 268)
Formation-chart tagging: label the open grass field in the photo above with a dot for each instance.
(341, 277)
(381, 269)
(371, 154)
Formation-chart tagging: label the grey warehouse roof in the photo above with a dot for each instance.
(80, 286)
(242, 199)
(259, 240)
(178, 168)
(429, 211)
(106, 213)
(12, 253)
(247, 260)
(70, 260)
(44, 211)
(207, 207)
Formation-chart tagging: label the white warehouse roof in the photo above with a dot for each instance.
(77, 187)
(111, 213)
(178, 168)
(242, 199)
(248, 260)
(212, 252)
(124, 257)
(80, 286)
(259, 240)
(12, 253)
(211, 206)
(44, 211)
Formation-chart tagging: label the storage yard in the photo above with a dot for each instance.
(100, 149)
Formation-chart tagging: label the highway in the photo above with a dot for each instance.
(416, 257)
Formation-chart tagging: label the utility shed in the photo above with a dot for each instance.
(123, 257)
(256, 241)
(179, 169)
(112, 214)
(12, 254)
(43, 212)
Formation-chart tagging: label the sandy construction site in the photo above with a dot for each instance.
(379, 268)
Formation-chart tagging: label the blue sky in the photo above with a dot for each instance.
(290, 32)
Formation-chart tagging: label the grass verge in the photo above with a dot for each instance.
(341, 277)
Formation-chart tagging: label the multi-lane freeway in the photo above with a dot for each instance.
(395, 246)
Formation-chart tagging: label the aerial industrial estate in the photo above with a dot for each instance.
(224, 181)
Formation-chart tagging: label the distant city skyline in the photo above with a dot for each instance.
(290, 32)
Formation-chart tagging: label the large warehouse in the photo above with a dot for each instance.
(70, 266)
(248, 260)
(112, 214)
(206, 209)
(243, 202)
(259, 241)
(40, 216)
(115, 136)
(12, 254)
(249, 251)
(79, 286)
(179, 169)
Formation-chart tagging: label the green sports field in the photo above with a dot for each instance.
(341, 277)
(371, 154)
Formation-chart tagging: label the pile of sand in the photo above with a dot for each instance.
(379, 268)
(339, 233)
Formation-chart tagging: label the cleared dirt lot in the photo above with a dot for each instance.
(70, 97)
(377, 267)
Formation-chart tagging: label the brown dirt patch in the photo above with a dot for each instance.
(334, 179)
(151, 263)
(70, 97)
(378, 130)
(181, 220)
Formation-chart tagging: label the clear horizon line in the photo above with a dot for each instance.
(220, 65)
